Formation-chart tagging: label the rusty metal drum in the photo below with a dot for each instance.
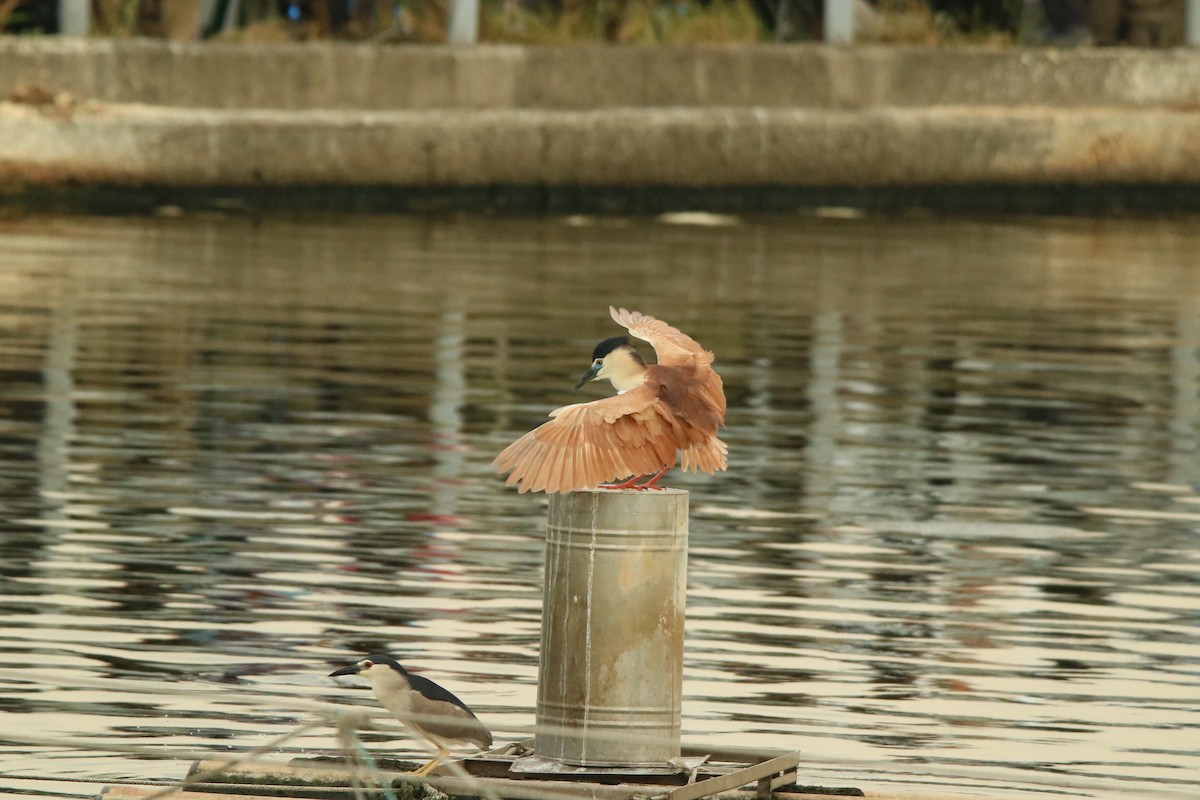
(609, 682)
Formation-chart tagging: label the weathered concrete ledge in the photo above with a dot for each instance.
(354, 76)
(135, 145)
(754, 128)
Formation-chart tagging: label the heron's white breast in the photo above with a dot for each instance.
(393, 692)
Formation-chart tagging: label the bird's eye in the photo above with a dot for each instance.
(598, 362)
(366, 664)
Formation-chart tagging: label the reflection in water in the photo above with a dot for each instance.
(957, 543)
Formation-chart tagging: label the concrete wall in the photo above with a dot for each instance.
(335, 75)
(670, 147)
(779, 127)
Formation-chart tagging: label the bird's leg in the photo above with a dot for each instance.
(428, 768)
(652, 483)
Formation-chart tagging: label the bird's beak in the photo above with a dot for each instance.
(590, 375)
(353, 669)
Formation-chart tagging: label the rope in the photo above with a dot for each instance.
(233, 762)
(206, 785)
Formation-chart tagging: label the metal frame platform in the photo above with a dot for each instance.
(699, 772)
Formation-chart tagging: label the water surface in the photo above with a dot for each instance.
(957, 546)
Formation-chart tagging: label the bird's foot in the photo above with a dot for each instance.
(653, 482)
(629, 484)
(637, 487)
(632, 483)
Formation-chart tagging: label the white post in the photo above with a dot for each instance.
(464, 22)
(74, 17)
(1193, 22)
(233, 12)
(839, 21)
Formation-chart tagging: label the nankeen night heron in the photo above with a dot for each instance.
(662, 413)
(426, 709)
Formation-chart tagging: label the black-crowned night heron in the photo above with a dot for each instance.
(425, 708)
(660, 411)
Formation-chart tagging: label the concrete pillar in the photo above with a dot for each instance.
(839, 21)
(611, 669)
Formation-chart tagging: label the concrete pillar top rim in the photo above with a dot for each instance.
(665, 491)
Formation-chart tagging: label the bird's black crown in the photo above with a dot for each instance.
(608, 345)
(384, 658)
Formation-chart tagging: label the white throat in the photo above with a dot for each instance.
(623, 370)
(623, 385)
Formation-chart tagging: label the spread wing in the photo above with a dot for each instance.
(672, 346)
(586, 444)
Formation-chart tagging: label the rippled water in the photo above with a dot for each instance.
(957, 547)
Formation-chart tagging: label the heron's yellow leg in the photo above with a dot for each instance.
(428, 768)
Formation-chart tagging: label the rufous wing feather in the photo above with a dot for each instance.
(586, 444)
(671, 345)
(708, 456)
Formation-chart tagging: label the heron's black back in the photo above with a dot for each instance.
(431, 691)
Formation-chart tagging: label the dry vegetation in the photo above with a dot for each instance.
(669, 22)
(632, 22)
